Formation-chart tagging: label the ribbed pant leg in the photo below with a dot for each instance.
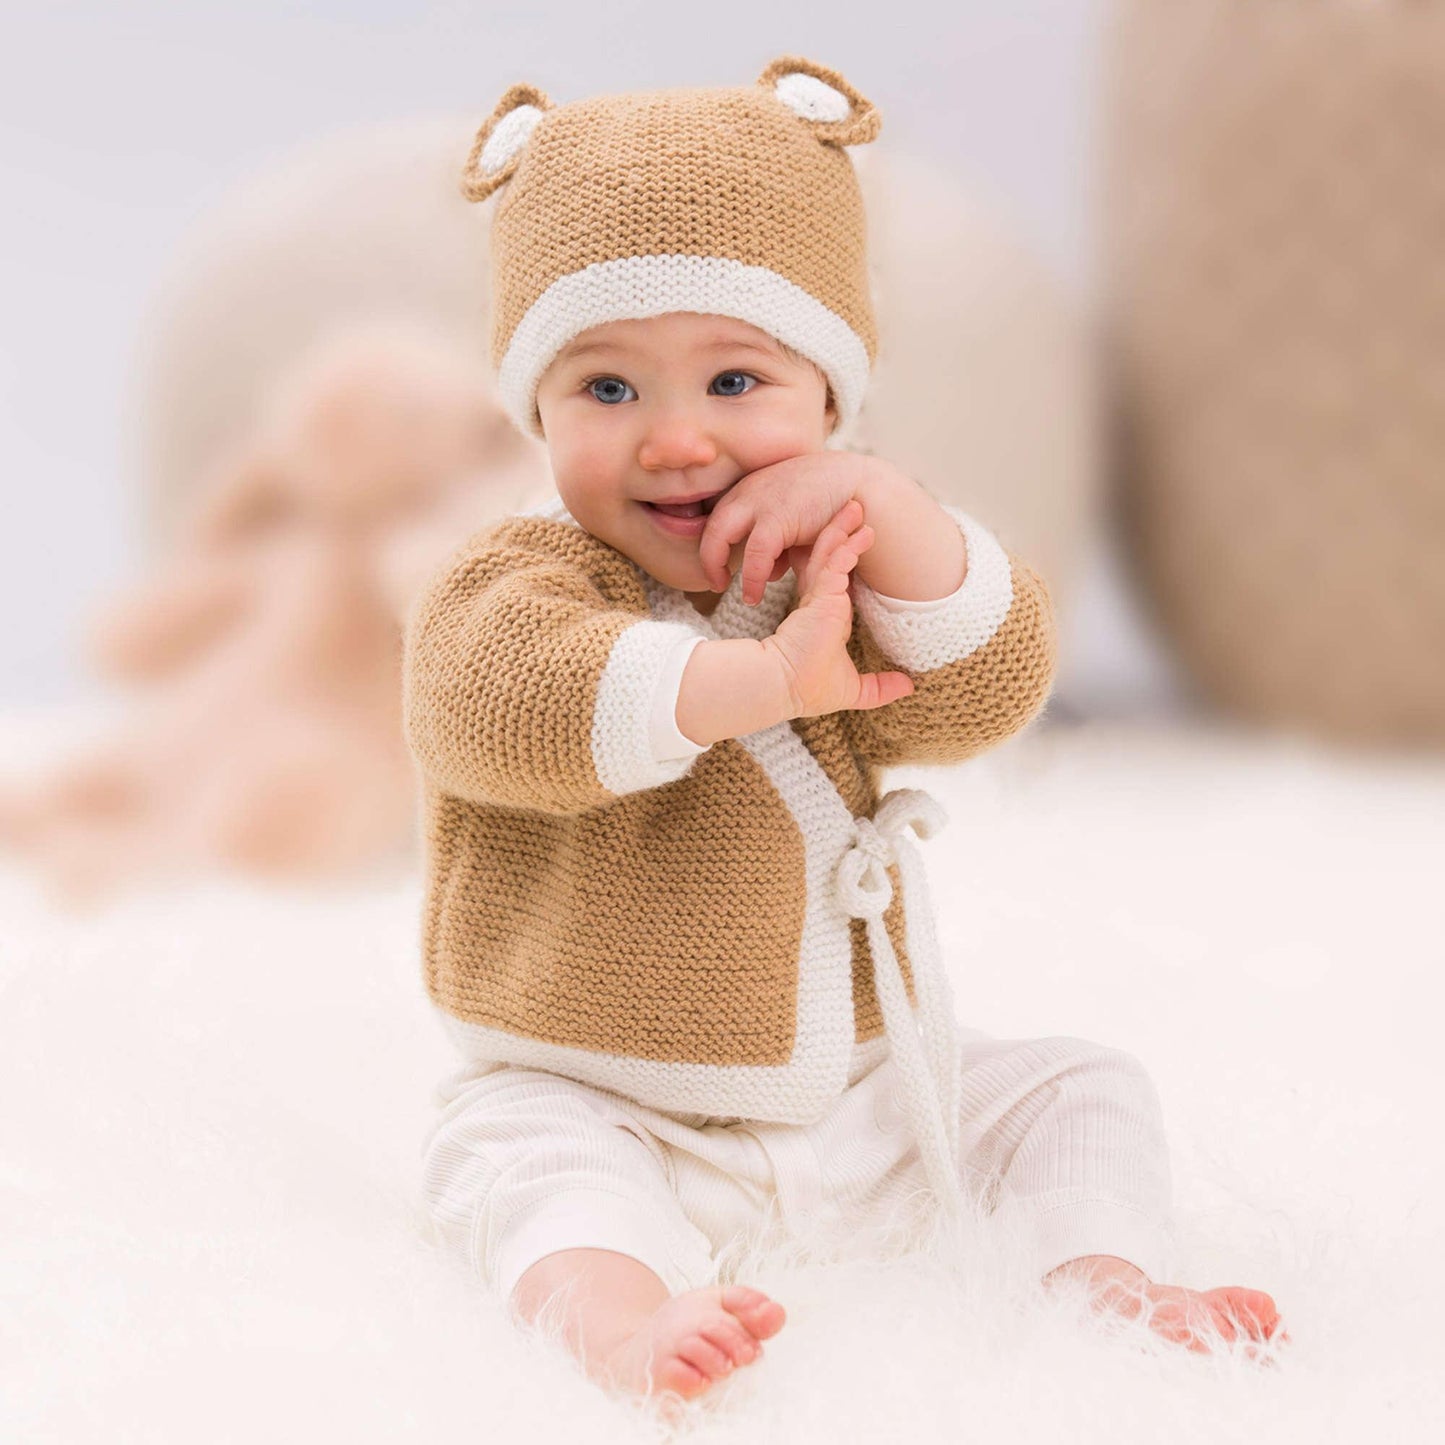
(1067, 1136)
(724, 1180)
(523, 1163)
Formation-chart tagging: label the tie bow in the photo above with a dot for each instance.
(924, 1050)
(864, 889)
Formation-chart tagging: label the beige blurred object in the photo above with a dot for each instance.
(986, 385)
(361, 225)
(1277, 335)
(266, 648)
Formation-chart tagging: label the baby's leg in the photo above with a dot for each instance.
(620, 1320)
(563, 1203)
(1069, 1135)
(1066, 1137)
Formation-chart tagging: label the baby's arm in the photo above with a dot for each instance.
(738, 685)
(982, 660)
(525, 682)
(729, 688)
(980, 656)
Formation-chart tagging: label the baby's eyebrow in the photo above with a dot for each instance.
(583, 348)
(725, 345)
(586, 348)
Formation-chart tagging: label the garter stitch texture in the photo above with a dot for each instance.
(670, 928)
(736, 201)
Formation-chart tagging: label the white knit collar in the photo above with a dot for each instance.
(732, 617)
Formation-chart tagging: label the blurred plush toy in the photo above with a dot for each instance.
(265, 651)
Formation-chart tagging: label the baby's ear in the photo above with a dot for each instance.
(501, 141)
(822, 100)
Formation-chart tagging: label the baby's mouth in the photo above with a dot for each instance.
(686, 509)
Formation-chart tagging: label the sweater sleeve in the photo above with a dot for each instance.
(525, 685)
(981, 659)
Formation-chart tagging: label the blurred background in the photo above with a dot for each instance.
(1156, 299)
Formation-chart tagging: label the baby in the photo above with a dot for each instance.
(677, 935)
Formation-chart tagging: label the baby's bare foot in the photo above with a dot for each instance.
(1183, 1316)
(1190, 1317)
(693, 1340)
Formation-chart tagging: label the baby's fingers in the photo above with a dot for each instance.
(766, 542)
(835, 530)
(878, 689)
(725, 529)
(829, 569)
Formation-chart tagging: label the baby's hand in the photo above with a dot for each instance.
(811, 641)
(781, 509)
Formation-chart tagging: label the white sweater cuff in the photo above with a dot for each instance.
(643, 662)
(920, 636)
(669, 743)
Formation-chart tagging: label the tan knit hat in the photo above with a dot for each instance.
(734, 201)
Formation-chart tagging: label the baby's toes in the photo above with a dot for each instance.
(733, 1340)
(1251, 1308)
(1179, 1315)
(1178, 1331)
(704, 1356)
(679, 1376)
(761, 1317)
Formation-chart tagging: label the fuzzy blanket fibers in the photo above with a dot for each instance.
(214, 1097)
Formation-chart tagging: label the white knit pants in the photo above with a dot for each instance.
(522, 1163)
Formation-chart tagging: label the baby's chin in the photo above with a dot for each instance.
(690, 580)
(673, 561)
(692, 583)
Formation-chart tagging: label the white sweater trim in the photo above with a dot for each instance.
(954, 627)
(622, 744)
(668, 740)
(910, 604)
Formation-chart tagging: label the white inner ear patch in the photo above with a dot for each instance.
(811, 98)
(509, 138)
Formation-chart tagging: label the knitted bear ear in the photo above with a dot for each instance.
(501, 141)
(822, 100)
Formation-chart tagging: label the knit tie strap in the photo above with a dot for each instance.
(928, 1067)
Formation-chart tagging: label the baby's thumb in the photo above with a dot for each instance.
(878, 689)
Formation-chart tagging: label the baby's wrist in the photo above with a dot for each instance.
(731, 687)
(786, 690)
(878, 483)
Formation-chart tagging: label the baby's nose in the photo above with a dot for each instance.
(672, 443)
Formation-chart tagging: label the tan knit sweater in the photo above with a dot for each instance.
(667, 929)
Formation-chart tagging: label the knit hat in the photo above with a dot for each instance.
(736, 201)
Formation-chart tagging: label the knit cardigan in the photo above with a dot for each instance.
(667, 927)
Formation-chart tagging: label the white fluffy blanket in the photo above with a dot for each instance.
(213, 1102)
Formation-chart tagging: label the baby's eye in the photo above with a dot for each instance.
(734, 383)
(610, 390)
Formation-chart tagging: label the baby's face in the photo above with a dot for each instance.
(667, 409)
